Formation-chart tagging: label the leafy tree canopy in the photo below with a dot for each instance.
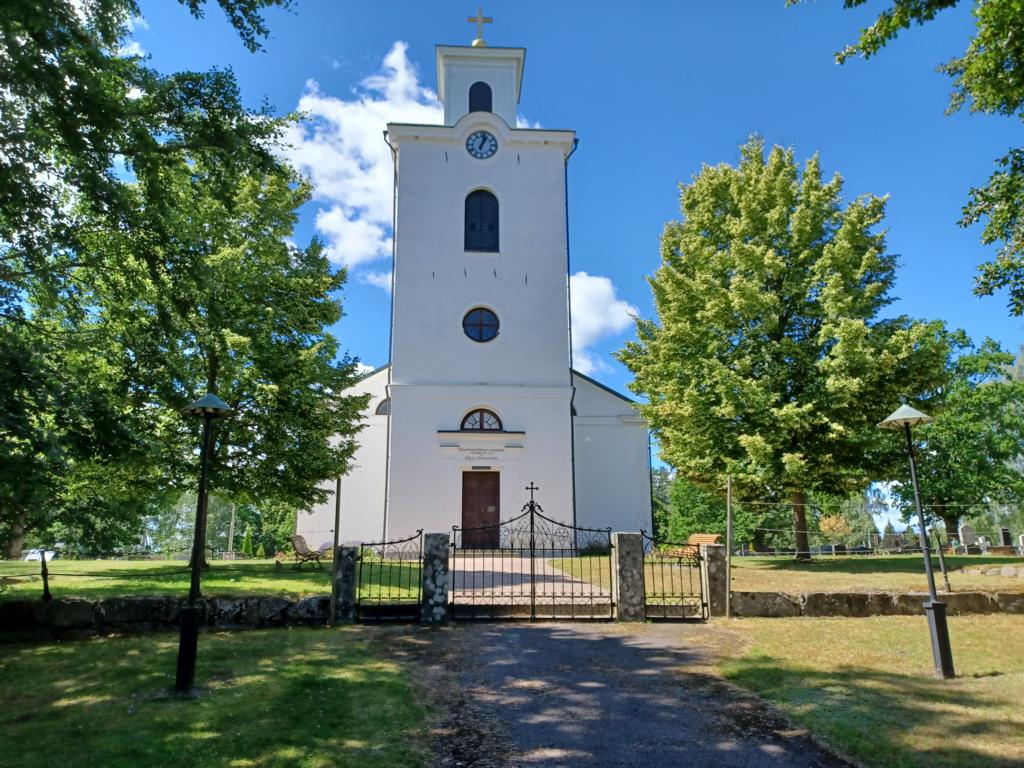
(989, 77)
(769, 359)
(74, 108)
(968, 451)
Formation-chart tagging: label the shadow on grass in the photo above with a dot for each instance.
(888, 719)
(283, 697)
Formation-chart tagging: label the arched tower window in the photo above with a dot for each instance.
(383, 407)
(481, 419)
(479, 97)
(481, 221)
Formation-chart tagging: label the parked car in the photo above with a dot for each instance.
(35, 555)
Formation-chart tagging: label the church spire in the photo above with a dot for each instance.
(480, 20)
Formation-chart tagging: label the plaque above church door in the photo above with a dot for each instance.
(480, 492)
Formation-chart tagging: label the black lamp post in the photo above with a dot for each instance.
(210, 407)
(904, 418)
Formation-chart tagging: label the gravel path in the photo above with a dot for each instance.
(559, 694)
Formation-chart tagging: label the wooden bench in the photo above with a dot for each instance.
(692, 547)
(303, 554)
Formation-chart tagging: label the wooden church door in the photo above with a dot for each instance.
(480, 492)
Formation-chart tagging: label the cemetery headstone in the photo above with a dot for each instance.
(967, 535)
(1005, 539)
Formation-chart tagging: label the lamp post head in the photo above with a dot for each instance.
(904, 416)
(208, 405)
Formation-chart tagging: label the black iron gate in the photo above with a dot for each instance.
(673, 583)
(389, 586)
(531, 567)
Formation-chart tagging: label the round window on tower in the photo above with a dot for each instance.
(480, 324)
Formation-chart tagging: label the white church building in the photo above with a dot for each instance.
(480, 399)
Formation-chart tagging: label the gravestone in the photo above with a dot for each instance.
(967, 535)
(1021, 541)
(1005, 539)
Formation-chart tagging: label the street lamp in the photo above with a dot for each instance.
(904, 418)
(209, 407)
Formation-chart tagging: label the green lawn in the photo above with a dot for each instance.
(867, 686)
(297, 698)
(902, 573)
(108, 578)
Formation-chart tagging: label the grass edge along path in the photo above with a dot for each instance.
(283, 697)
(866, 686)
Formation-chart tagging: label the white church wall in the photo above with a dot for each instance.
(437, 281)
(500, 76)
(429, 454)
(612, 460)
(362, 489)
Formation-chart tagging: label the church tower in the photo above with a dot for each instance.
(480, 385)
(479, 399)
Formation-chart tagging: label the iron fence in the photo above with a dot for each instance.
(673, 584)
(389, 584)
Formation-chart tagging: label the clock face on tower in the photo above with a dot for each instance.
(481, 145)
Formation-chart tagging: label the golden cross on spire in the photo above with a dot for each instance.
(480, 20)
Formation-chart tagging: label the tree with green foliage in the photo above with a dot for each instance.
(232, 307)
(246, 548)
(691, 508)
(968, 451)
(73, 103)
(261, 551)
(768, 359)
(888, 535)
(78, 115)
(72, 454)
(989, 77)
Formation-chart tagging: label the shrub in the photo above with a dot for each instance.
(246, 547)
(260, 551)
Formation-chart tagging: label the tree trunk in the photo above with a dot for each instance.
(803, 548)
(16, 540)
(951, 519)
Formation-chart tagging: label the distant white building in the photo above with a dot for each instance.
(479, 399)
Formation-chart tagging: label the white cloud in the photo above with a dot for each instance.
(340, 146)
(381, 280)
(362, 368)
(129, 49)
(597, 313)
(137, 22)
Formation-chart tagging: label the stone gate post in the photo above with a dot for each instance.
(434, 605)
(628, 576)
(343, 589)
(713, 577)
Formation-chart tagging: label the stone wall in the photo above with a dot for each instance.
(860, 604)
(78, 617)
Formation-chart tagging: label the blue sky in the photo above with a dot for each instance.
(654, 90)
